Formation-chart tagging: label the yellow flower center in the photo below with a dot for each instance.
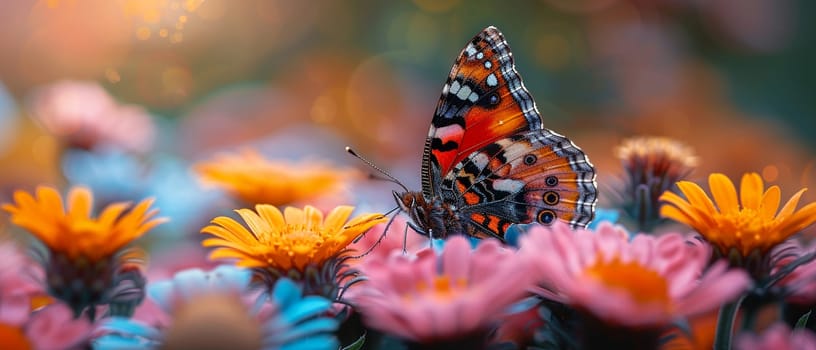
(441, 287)
(745, 230)
(643, 285)
(299, 240)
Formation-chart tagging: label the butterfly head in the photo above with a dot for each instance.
(417, 208)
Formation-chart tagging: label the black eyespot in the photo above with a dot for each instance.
(546, 216)
(530, 159)
(551, 181)
(551, 197)
(494, 99)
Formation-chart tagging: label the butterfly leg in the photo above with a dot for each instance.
(382, 236)
(405, 241)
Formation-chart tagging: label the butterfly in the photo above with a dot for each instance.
(488, 161)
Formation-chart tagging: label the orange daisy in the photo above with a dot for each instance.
(87, 255)
(74, 233)
(293, 243)
(253, 179)
(744, 226)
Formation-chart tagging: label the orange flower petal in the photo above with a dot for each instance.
(751, 189)
(804, 217)
(313, 217)
(294, 216)
(693, 213)
(257, 225)
(770, 203)
(337, 217)
(697, 197)
(77, 234)
(50, 200)
(679, 215)
(724, 193)
(790, 206)
(272, 215)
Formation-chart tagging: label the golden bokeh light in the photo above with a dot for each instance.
(770, 173)
(143, 33)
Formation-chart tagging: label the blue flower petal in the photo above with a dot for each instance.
(231, 277)
(309, 306)
(601, 215)
(307, 329)
(118, 342)
(131, 327)
(161, 292)
(126, 334)
(286, 292)
(190, 282)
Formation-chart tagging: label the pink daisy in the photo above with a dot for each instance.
(378, 242)
(51, 327)
(642, 284)
(19, 275)
(451, 297)
(777, 337)
(800, 284)
(85, 115)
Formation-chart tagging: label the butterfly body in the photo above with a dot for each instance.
(488, 161)
(430, 216)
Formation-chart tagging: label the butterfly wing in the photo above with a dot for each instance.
(534, 176)
(482, 101)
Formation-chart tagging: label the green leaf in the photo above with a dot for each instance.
(802, 322)
(357, 344)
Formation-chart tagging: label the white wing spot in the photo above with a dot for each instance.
(480, 160)
(470, 50)
(447, 132)
(445, 89)
(473, 97)
(454, 88)
(488, 65)
(491, 80)
(464, 92)
(508, 185)
(480, 55)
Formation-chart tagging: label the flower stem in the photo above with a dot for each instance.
(725, 324)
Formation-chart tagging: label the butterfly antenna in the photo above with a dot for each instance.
(385, 231)
(369, 163)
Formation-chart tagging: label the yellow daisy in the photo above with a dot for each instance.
(276, 244)
(749, 224)
(253, 179)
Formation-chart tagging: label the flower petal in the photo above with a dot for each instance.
(770, 203)
(790, 206)
(257, 225)
(271, 215)
(337, 217)
(751, 188)
(294, 216)
(697, 197)
(80, 202)
(313, 217)
(724, 193)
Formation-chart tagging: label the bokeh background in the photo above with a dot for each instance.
(734, 79)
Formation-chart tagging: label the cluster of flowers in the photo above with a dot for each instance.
(312, 279)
